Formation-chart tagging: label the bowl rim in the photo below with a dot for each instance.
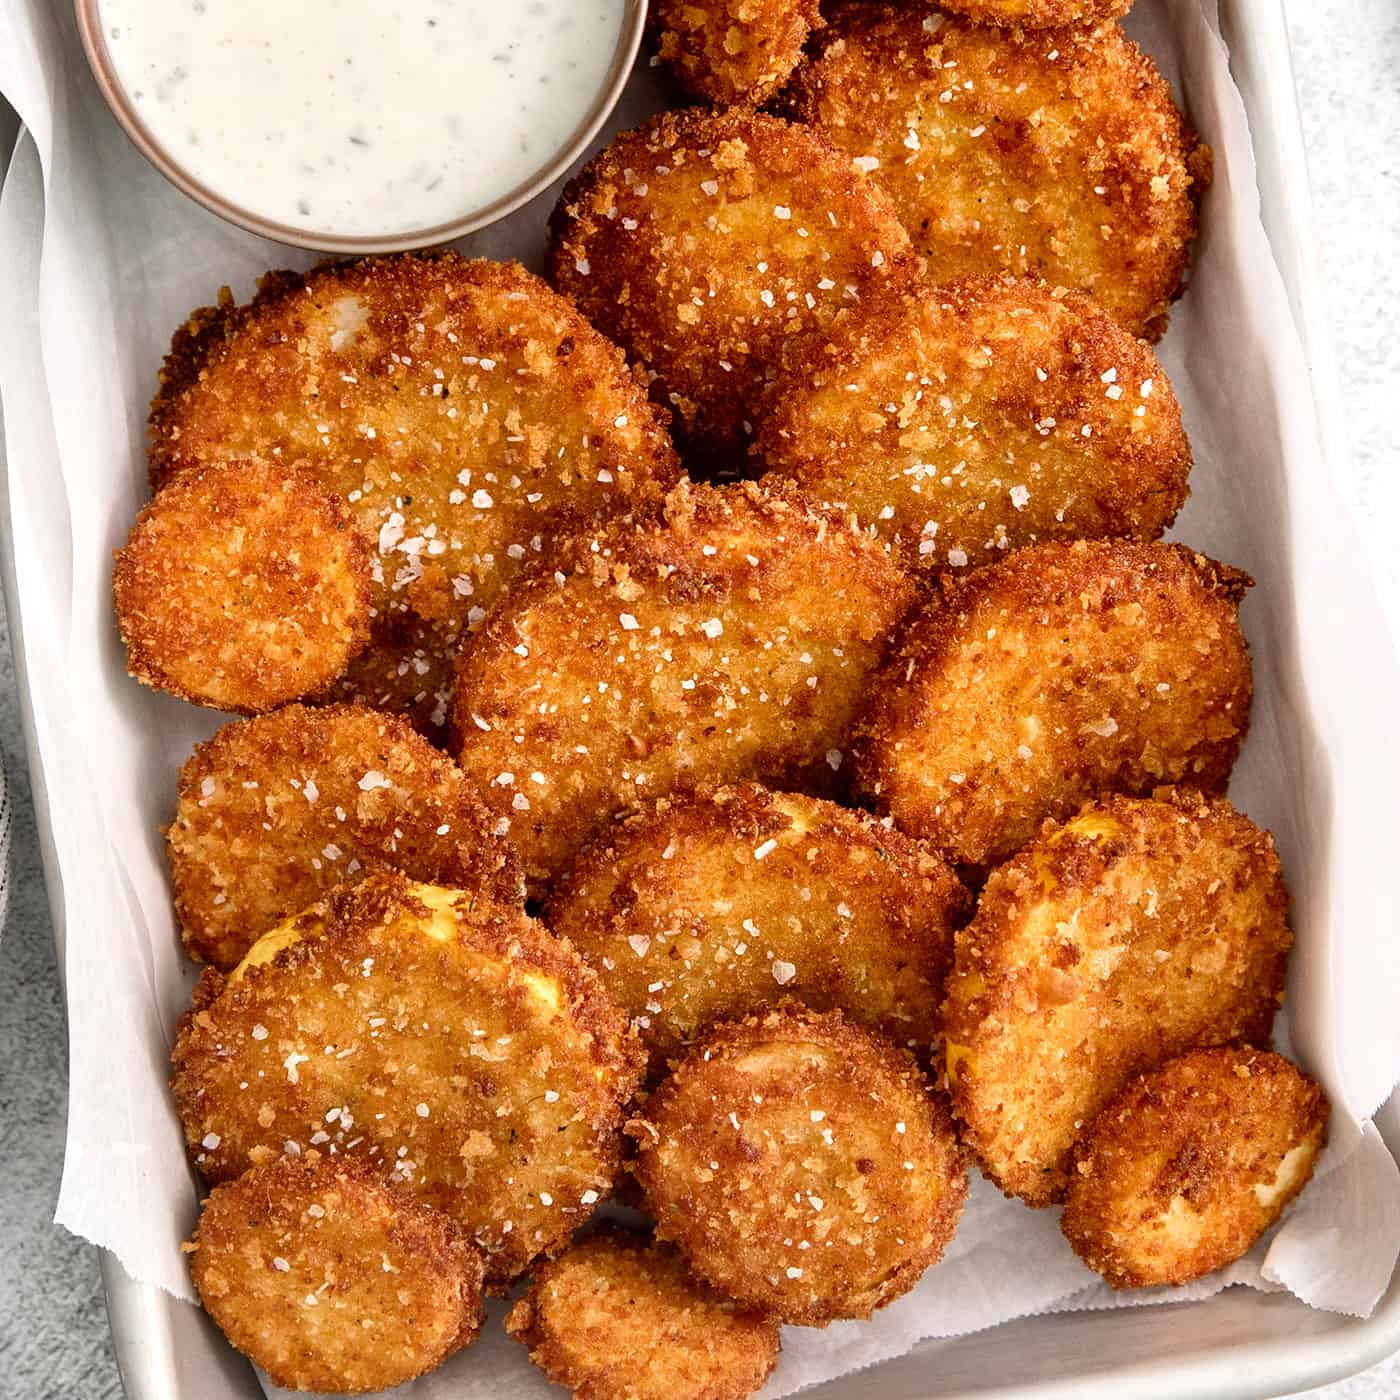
(114, 94)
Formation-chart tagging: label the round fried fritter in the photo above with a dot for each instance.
(706, 907)
(614, 1318)
(733, 51)
(702, 241)
(802, 1165)
(1058, 151)
(449, 1040)
(1064, 671)
(1036, 14)
(275, 810)
(242, 586)
(731, 638)
(1140, 929)
(330, 1280)
(1184, 1170)
(962, 420)
(405, 669)
(460, 408)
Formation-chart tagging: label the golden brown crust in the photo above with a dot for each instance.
(472, 1058)
(614, 1318)
(1066, 670)
(1136, 931)
(406, 669)
(962, 420)
(463, 410)
(730, 52)
(1190, 1164)
(275, 810)
(1037, 14)
(1056, 151)
(241, 587)
(802, 1165)
(709, 906)
(703, 241)
(330, 1280)
(730, 638)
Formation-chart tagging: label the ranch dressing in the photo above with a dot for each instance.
(360, 117)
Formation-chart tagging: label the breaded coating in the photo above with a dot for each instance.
(405, 669)
(730, 52)
(330, 1280)
(450, 1041)
(462, 409)
(1064, 671)
(802, 1165)
(1058, 152)
(1184, 1170)
(614, 1318)
(273, 811)
(964, 420)
(703, 241)
(1036, 14)
(241, 587)
(706, 907)
(730, 638)
(1140, 929)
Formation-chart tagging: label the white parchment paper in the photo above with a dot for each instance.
(100, 260)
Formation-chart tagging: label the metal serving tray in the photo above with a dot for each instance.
(1239, 1345)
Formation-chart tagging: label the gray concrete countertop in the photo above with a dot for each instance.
(54, 1343)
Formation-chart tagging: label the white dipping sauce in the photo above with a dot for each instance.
(362, 117)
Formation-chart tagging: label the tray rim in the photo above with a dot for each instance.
(1256, 34)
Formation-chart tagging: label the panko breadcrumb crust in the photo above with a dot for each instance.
(1037, 14)
(709, 906)
(1136, 931)
(962, 420)
(451, 1042)
(274, 811)
(1063, 671)
(405, 670)
(1054, 151)
(703, 241)
(733, 52)
(464, 411)
(330, 1280)
(730, 638)
(615, 1318)
(1184, 1171)
(801, 1165)
(241, 587)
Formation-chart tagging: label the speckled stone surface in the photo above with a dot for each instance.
(53, 1330)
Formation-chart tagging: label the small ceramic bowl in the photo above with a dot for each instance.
(187, 179)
